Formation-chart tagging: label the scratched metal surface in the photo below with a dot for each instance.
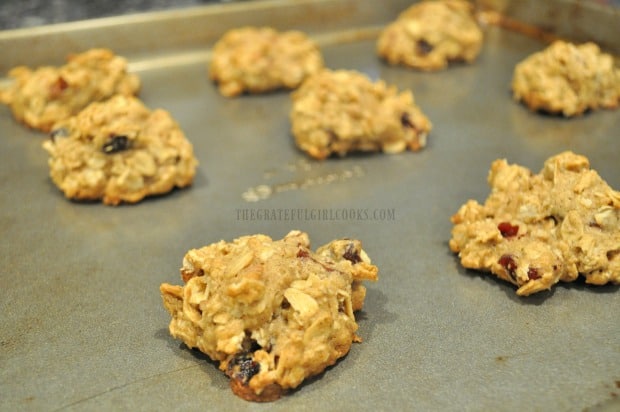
(83, 327)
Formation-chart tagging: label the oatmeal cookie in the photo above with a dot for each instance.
(567, 79)
(431, 34)
(535, 230)
(344, 111)
(119, 151)
(272, 313)
(41, 97)
(256, 60)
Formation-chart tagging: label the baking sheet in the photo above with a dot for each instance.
(83, 326)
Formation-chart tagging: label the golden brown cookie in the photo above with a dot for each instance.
(41, 97)
(535, 230)
(431, 34)
(272, 313)
(119, 151)
(257, 60)
(568, 79)
(342, 111)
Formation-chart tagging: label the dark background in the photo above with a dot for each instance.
(28, 13)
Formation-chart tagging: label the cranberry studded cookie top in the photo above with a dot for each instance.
(535, 230)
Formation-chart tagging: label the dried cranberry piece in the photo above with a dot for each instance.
(302, 253)
(242, 367)
(508, 230)
(405, 120)
(248, 344)
(116, 144)
(424, 47)
(58, 87)
(532, 274)
(508, 263)
(351, 254)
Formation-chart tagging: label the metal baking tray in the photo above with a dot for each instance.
(83, 326)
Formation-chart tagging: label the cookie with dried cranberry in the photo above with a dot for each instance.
(119, 151)
(271, 312)
(342, 111)
(535, 230)
(431, 34)
(261, 59)
(567, 79)
(46, 95)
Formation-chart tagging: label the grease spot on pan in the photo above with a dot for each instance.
(303, 179)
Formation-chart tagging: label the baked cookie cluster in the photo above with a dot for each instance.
(342, 111)
(432, 34)
(275, 312)
(261, 59)
(104, 143)
(271, 312)
(41, 97)
(119, 151)
(567, 79)
(535, 230)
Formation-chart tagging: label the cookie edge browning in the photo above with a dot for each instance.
(270, 393)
